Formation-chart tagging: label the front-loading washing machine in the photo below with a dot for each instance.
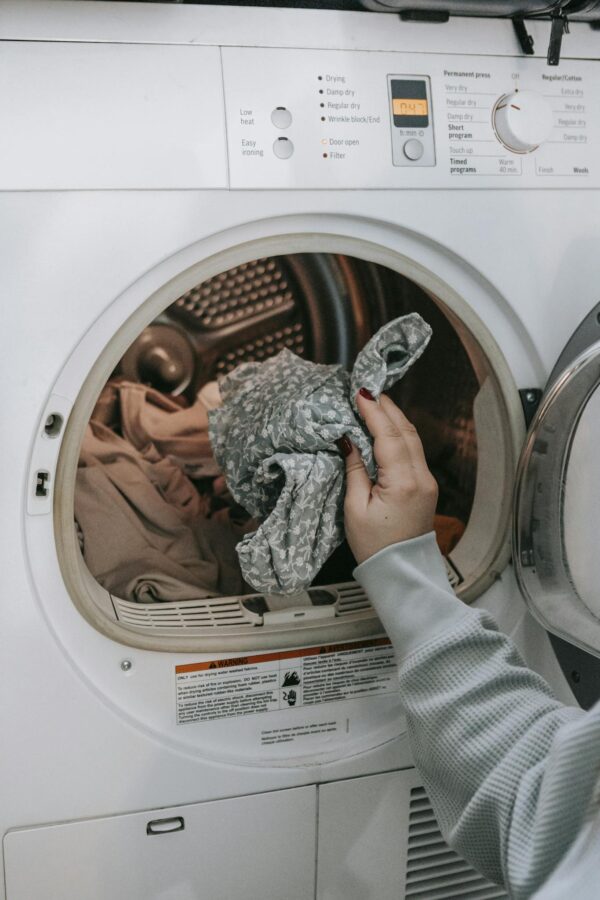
(186, 188)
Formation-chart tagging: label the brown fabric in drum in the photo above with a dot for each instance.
(158, 426)
(145, 533)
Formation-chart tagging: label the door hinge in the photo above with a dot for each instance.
(530, 400)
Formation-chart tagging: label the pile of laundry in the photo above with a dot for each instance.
(154, 516)
(243, 487)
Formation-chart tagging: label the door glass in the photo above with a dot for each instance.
(557, 507)
(582, 507)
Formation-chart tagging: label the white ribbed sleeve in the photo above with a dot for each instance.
(509, 770)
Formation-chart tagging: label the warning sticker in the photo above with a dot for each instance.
(293, 732)
(268, 682)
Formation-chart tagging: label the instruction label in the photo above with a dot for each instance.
(268, 682)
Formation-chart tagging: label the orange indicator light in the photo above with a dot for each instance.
(406, 107)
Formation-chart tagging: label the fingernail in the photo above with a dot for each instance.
(344, 445)
(365, 392)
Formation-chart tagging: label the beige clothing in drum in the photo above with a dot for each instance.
(157, 425)
(145, 532)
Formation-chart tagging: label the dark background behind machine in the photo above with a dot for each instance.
(558, 12)
(578, 10)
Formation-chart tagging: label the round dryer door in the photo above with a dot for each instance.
(557, 499)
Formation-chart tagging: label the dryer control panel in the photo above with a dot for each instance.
(412, 124)
(338, 119)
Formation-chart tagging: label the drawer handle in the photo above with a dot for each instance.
(165, 826)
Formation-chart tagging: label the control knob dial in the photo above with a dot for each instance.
(522, 120)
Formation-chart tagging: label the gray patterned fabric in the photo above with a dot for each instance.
(274, 438)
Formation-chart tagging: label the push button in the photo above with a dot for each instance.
(413, 149)
(283, 148)
(281, 117)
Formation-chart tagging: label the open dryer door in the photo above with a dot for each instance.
(557, 497)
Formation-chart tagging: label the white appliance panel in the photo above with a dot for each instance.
(257, 846)
(342, 132)
(379, 838)
(99, 116)
(363, 835)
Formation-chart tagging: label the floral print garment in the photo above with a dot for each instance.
(274, 438)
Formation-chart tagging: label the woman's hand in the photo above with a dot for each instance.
(401, 504)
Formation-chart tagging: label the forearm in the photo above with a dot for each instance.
(483, 727)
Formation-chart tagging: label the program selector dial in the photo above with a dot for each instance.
(522, 120)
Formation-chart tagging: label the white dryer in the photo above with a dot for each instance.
(183, 188)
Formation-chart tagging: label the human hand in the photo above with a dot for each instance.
(401, 504)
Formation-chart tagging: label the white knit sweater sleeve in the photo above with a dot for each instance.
(508, 768)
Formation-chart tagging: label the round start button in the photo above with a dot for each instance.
(413, 149)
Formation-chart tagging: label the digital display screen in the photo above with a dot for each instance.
(410, 107)
(402, 106)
